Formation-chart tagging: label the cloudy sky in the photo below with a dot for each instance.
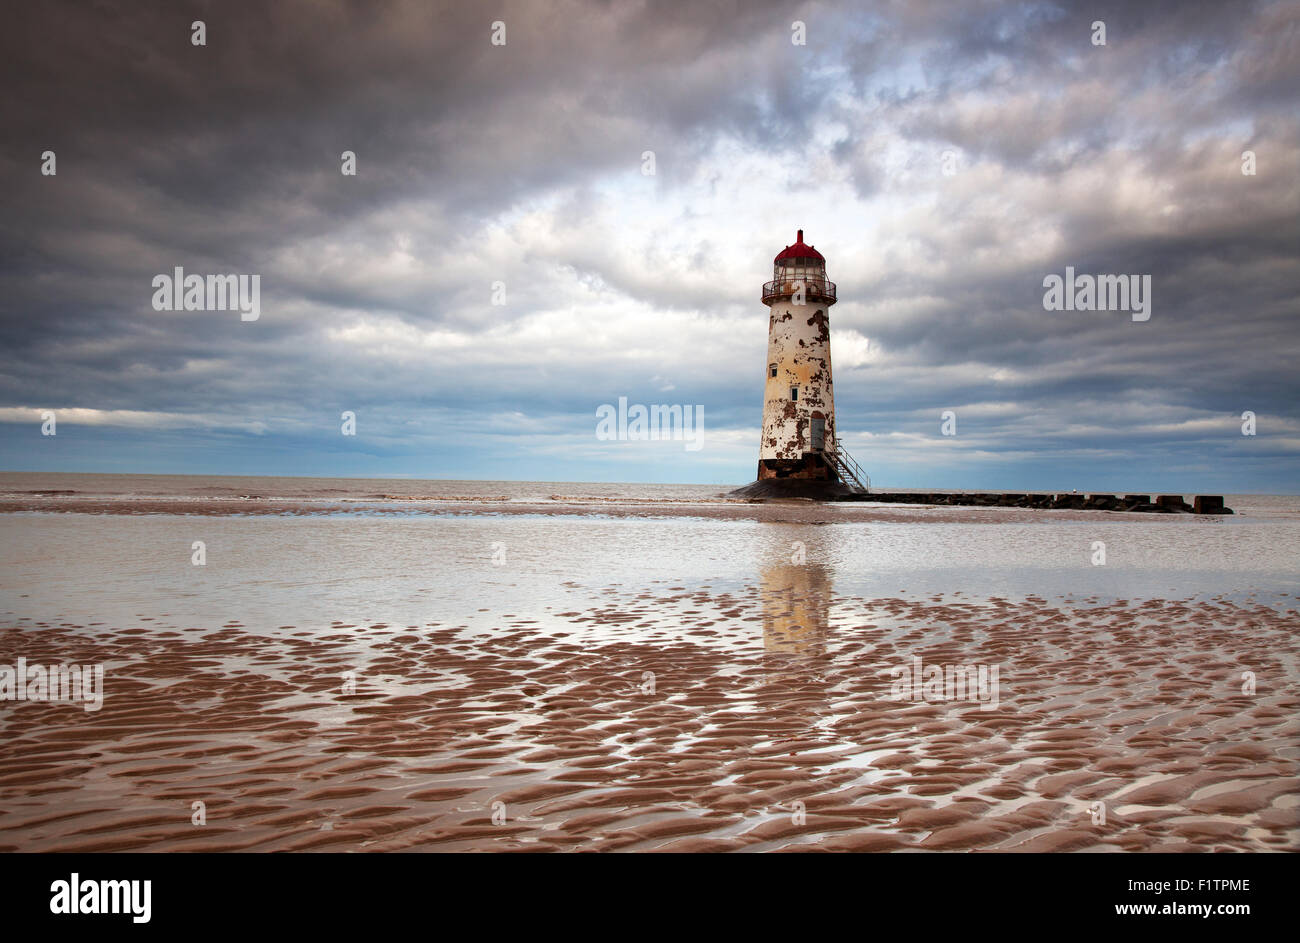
(945, 159)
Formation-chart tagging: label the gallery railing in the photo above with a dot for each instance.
(815, 288)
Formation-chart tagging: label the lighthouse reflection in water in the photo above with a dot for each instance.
(796, 602)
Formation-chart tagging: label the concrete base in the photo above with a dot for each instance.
(810, 466)
(774, 489)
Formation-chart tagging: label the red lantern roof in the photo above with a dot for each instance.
(799, 251)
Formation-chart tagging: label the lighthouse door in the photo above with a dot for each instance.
(818, 434)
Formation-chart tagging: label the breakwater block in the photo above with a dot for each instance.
(1209, 504)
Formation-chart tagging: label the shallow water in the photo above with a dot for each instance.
(268, 570)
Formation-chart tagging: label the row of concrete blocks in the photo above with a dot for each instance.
(1163, 504)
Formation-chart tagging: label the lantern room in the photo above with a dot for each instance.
(799, 266)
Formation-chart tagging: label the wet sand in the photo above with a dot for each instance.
(695, 719)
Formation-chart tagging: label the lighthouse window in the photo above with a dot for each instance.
(794, 392)
(771, 370)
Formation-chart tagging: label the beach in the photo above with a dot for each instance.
(501, 666)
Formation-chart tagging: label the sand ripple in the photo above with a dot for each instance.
(651, 737)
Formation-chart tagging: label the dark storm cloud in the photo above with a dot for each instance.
(522, 163)
(218, 157)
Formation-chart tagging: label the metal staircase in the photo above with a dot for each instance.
(850, 472)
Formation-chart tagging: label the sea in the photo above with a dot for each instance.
(399, 550)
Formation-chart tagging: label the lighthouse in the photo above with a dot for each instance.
(799, 453)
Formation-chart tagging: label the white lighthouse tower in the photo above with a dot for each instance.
(799, 441)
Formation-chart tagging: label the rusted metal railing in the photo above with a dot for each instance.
(815, 289)
(850, 472)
